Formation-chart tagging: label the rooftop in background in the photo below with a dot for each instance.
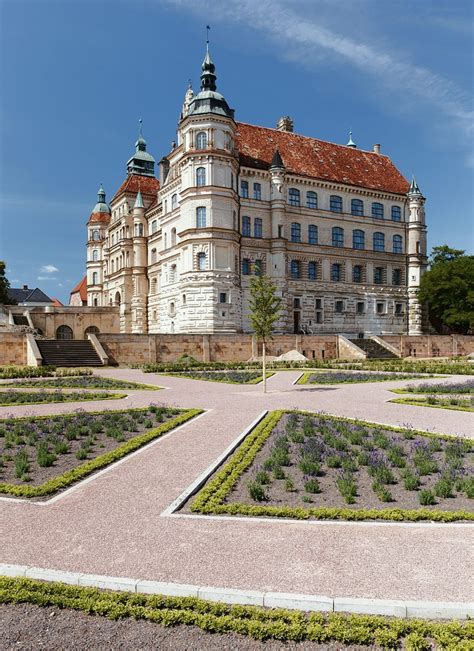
(78, 295)
(27, 296)
(318, 159)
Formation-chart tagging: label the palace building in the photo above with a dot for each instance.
(340, 231)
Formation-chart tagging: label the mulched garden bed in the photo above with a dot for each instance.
(82, 382)
(14, 398)
(349, 377)
(446, 388)
(438, 401)
(232, 377)
(34, 450)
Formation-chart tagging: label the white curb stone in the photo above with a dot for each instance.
(297, 601)
(108, 582)
(388, 607)
(439, 609)
(229, 596)
(167, 589)
(12, 570)
(52, 575)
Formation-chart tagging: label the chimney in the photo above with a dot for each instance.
(377, 149)
(25, 286)
(285, 123)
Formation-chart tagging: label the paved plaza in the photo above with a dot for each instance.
(114, 523)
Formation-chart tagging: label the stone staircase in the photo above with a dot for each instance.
(68, 352)
(373, 349)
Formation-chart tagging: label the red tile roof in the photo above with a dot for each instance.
(99, 217)
(57, 303)
(146, 184)
(81, 288)
(318, 159)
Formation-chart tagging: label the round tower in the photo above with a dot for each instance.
(416, 254)
(139, 268)
(96, 229)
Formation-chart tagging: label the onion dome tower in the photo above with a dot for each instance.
(141, 162)
(208, 100)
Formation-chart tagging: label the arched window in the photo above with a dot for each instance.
(397, 244)
(173, 237)
(245, 267)
(174, 201)
(172, 309)
(118, 298)
(91, 330)
(258, 267)
(377, 210)
(357, 207)
(357, 273)
(246, 231)
(64, 332)
(358, 239)
(336, 272)
(312, 234)
(201, 217)
(338, 236)
(201, 261)
(311, 199)
(95, 277)
(153, 256)
(112, 266)
(295, 232)
(335, 203)
(294, 197)
(379, 242)
(257, 227)
(312, 270)
(396, 214)
(201, 140)
(201, 176)
(95, 235)
(295, 269)
(95, 255)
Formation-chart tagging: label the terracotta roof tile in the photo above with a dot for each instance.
(146, 184)
(318, 159)
(99, 217)
(57, 302)
(81, 288)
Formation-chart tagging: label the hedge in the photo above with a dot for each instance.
(71, 397)
(183, 374)
(70, 476)
(210, 499)
(305, 378)
(421, 402)
(256, 622)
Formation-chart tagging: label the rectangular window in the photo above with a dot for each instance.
(336, 272)
(297, 303)
(246, 231)
(295, 232)
(335, 203)
(257, 191)
(377, 210)
(357, 273)
(378, 275)
(380, 308)
(319, 317)
(245, 267)
(312, 270)
(319, 304)
(258, 268)
(222, 297)
(396, 277)
(201, 217)
(244, 189)
(312, 234)
(257, 227)
(311, 200)
(398, 309)
(338, 236)
(396, 214)
(339, 307)
(294, 197)
(360, 307)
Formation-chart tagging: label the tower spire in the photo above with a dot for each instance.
(208, 78)
(351, 143)
(414, 190)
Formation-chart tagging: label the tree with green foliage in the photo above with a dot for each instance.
(265, 308)
(448, 290)
(4, 286)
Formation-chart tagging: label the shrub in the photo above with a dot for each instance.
(312, 486)
(61, 447)
(81, 454)
(443, 487)
(21, 464)
(309, 467)
(411, 482)
(382, 492)
(289, 485)
(257, 492)
(333, 461)
(426, 498)
(262, 477)
(347, 487)
(278, 472)
(43, 456)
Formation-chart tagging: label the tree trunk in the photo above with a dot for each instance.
(264, 369)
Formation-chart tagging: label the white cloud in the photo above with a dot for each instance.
(46, 277)
(48, 269)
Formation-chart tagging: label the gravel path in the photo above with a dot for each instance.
(112, 525)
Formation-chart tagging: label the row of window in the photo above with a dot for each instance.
(244, 190)
(338, 273)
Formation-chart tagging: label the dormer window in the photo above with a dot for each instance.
(201, 140)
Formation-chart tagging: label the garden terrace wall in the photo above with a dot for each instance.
(12, 348)
(431, 345)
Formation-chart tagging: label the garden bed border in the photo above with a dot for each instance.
(411, 401)
(209, 500)
(106, 396)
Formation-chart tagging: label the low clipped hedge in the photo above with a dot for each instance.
(419, 401)
(211, 498)
(256, 622)
(375, 376)
(7, 372)
(55, 396)
(75, 474)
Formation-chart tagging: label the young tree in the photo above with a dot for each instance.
(448, 290)
(265, 308)
(4, 286)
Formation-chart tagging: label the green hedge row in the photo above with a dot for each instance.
(256, 622)
(7, 372)
(70, 476)
(66, 397)
(210, 499)
(420, 402)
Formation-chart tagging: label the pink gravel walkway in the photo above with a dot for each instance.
(113, 524)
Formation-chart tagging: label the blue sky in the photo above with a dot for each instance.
(76, 75)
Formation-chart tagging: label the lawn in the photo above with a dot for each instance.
(231, 377)
(438, 401)
(352, 377)
(81, 382)
(13, 398)
(302, 465)
(41, 455)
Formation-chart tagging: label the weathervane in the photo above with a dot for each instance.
(208, 29)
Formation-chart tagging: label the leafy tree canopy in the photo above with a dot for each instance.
(4, 286)
(448, 290)
(264, 306)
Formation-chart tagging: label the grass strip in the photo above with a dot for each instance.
(422, 402)
(65, 397)
(210, 499)
(254, 621)
(70, 476)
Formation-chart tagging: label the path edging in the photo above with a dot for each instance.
(293, 601)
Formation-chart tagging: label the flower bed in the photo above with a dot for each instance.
(446, 388)
(231, 377)
(7, 372)
(13, 398)
(302, 465)
(441, 402)
(256, 622)
(42, 455)
(83, 382)
(352, 377)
